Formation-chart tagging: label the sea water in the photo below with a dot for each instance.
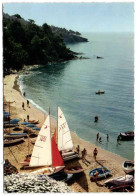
(72, 86)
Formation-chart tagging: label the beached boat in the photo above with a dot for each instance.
(64, 139)
(102, 172)
(73, 170)
(122, 188)
(45, 152)
(128, 166)
(8, 124)
(9, 141)
(15, 135)
(125, 136)
(100, 92)
(122, 180)
(33, 121)
(61, 176)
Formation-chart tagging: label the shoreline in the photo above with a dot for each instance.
(112, 161)
(17, 87)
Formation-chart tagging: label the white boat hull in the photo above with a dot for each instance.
(128, 179)
(70, 157)
(128, 166)
(48, 170)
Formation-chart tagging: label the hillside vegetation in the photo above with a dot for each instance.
(27, 43)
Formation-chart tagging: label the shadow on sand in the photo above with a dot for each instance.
(79, 178)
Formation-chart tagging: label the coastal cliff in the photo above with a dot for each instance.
(69, 36)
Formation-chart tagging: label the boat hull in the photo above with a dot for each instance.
(14, 136)
(48, 170)
(100, 92)
(102, 173)
(61, 176)
(14, 141)
(70, 157)
(122, 180)
(126, 136)
(73, 170)
(128, 167)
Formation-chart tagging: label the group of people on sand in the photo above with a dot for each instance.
(84, 153)
(23, 105)
(98, 138)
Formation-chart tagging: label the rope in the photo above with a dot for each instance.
(12, 154)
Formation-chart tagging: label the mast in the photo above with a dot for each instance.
(50, 138)
(57, 128)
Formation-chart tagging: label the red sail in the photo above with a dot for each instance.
(55, 136)
(56, 157)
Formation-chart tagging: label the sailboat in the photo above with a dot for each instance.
(45, 152)
(64, 139)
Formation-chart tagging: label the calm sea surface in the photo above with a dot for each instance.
(72, 86)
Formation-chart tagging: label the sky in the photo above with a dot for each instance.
(82, 17)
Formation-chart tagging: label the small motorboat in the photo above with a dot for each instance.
(99, 172)
(129, 135)
(61, 176)
(128, 166)
(98, 57)
(100, 92)
(122, 180)
(73, 170)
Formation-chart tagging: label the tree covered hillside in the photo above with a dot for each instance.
(30, 44)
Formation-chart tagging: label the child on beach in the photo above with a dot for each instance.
(77, 149)
(84, 153)
(95, 152)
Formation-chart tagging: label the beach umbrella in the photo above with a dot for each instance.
(30, 125)
(36, 128)
(25, 123)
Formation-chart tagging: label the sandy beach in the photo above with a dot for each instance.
(16, 154)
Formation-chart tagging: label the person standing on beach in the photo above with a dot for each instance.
(78, 149)
(27, 103)
(23, 105)
(84, 153)
(95, 152)
(28, 117)
(24, 94)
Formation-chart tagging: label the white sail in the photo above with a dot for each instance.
(41, 154)
(64, 136)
